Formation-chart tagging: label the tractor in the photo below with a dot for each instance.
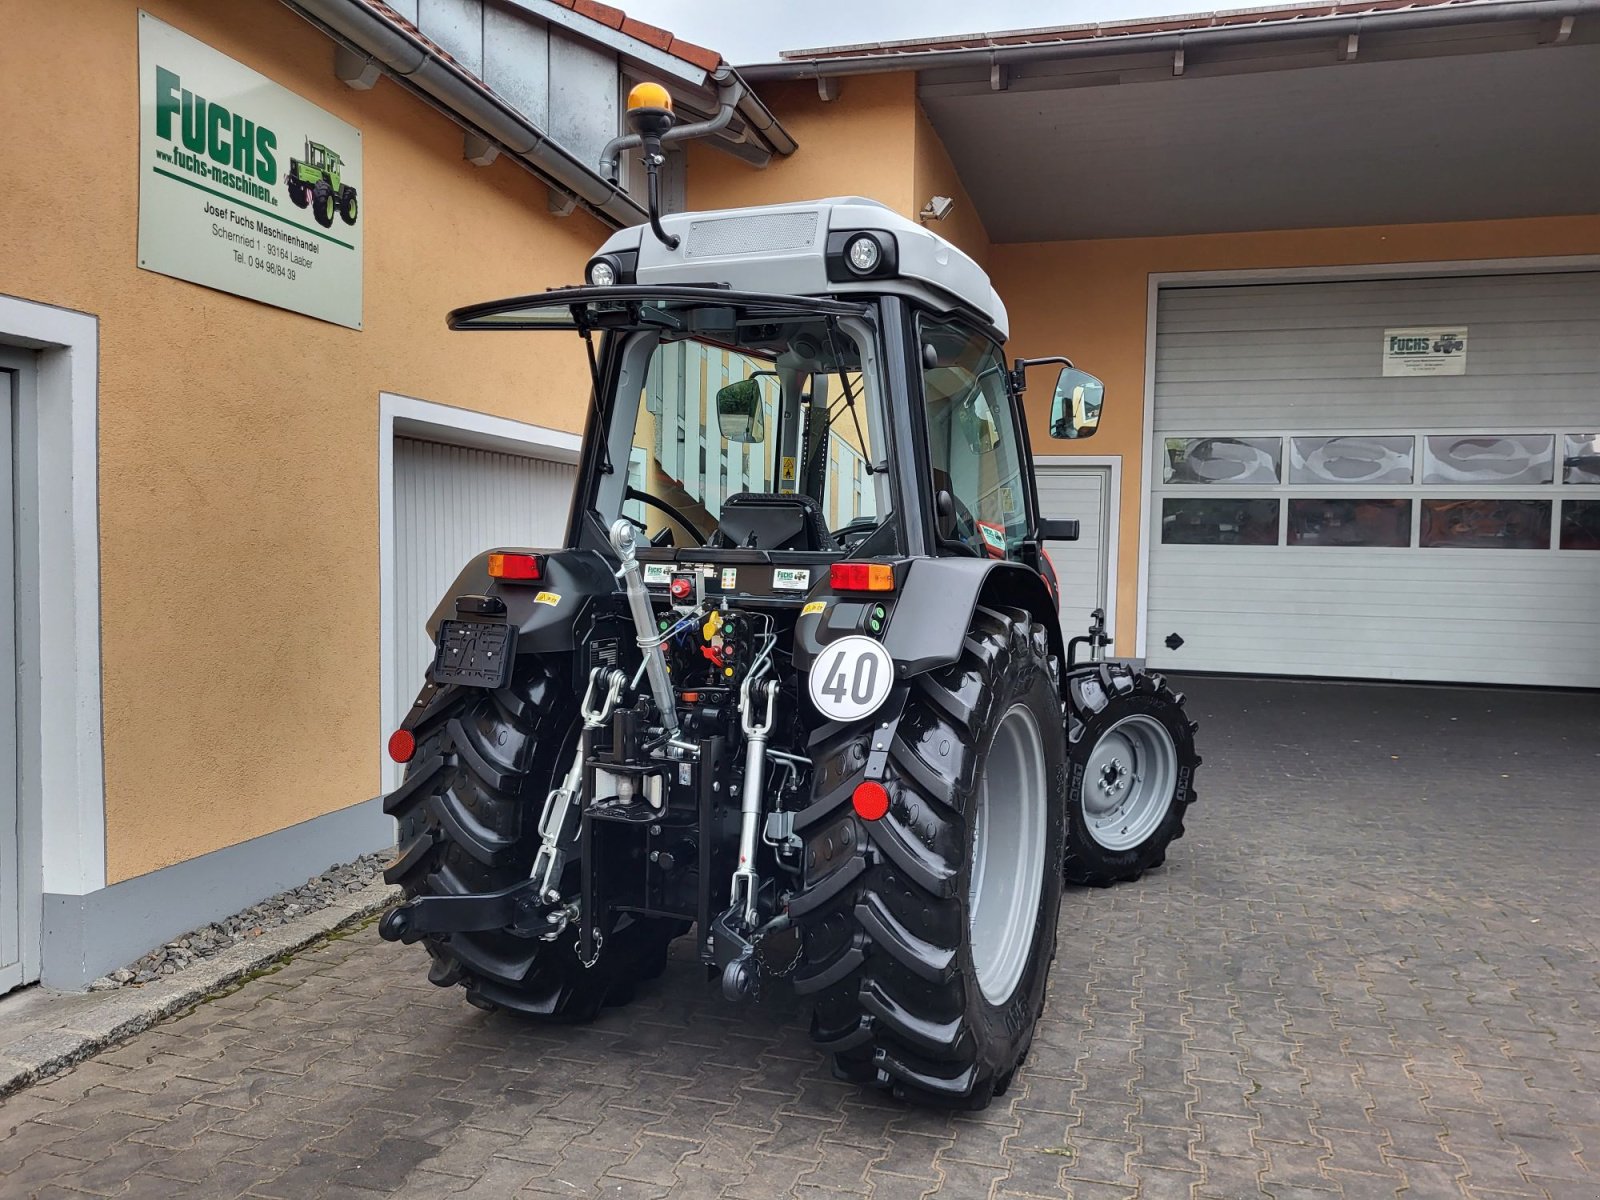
(316, 180)
(796, 679)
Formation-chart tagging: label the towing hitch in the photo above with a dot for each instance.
(518, 908)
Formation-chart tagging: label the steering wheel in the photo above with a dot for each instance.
(672, 511)
(859, 528)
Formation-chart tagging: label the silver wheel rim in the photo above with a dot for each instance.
(1008, 836)
(1128, 782)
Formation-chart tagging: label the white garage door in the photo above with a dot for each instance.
(452, 503)
(1312, 515)
(1082, 569)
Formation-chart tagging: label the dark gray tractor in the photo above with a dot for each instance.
(796, 679)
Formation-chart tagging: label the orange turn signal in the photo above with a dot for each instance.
(515, 566)
(861, 577)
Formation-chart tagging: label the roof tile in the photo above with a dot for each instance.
(706, 60)
(661, 39)
(603, 13)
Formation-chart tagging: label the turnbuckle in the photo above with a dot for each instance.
(746, 883)
(599, 700)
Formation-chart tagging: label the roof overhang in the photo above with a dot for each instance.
(1453, 112)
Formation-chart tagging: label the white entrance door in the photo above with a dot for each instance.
(14, 967)
(451, 503)
(1083, 568)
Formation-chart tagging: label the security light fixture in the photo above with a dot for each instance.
(936, 209)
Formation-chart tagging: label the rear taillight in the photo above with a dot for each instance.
(517, 567)
(402, 745)
(861, 577)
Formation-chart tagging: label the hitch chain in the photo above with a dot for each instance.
(599, 701)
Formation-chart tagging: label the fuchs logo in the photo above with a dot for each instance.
(224, 147)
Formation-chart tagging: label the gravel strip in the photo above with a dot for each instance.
(336, 883)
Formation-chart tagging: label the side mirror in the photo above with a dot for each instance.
(741, 415)
(1075, 410)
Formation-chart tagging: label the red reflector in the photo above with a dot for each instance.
(515, 566)
(861, 577)
(871, 800)
(402, 745)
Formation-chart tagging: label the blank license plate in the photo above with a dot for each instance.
(474, 653)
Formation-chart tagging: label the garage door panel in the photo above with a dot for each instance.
(1362, 303)
(1292, 359)
(451, 503)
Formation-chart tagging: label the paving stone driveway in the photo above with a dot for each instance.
(1371, 969)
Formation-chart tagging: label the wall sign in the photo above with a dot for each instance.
(1425, 351)
(243, 186)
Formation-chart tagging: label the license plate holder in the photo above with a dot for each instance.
(474, 653)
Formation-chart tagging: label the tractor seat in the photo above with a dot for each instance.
(773, 521)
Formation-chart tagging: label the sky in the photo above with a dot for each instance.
(749, 31)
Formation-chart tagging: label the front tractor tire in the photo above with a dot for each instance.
(1132, 779)
(929, 932)
(468, 812)
(298, 195)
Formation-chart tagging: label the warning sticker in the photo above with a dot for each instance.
(730, 577)
(786, 475)
(550, 598)
(994, 539)
(814, 607)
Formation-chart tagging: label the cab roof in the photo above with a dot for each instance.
(800, 249)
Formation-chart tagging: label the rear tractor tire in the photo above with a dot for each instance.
(929, 932)
(1132, 778)
(322, 203)
(468, 814)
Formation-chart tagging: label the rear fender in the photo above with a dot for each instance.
(547, 614)
(931, 611)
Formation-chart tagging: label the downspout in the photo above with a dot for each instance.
(1139, 43)
(730, 91)
(415, 65)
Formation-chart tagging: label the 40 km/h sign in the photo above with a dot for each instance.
(243, 186)
(851, 678)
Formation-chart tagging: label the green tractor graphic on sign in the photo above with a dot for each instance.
(316, 181)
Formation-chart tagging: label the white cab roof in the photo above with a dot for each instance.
(782, 247)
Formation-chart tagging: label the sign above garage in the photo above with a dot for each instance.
(243, 186)
(1425, 351)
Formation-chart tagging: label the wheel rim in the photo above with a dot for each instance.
(1128, 782)
(1008, 837)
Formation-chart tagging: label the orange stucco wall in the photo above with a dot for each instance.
(1090, 300)
(862, 144)
(238, 442)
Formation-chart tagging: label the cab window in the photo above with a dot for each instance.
(973, 443)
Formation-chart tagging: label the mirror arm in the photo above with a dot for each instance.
(1019, 369)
